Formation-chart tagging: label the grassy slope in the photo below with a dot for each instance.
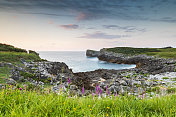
(160, 52)
(13, 55)
(10, 48)
(17, 103)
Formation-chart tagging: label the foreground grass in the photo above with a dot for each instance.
(21, 103)
(159, 52)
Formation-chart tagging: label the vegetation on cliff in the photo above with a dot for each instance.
(12, 54)
(10, 48)
(167, 52)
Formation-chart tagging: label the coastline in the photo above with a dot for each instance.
(150, 72)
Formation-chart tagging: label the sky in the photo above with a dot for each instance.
(77, 25)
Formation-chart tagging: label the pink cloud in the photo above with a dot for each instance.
(70, 26)
(83, 16)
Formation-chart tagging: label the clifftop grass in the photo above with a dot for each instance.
(167, 52)
(10, 48)
(14, 57)
(9, 53)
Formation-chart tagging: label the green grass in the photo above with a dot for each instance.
(10, 48)
(165, 78)
(14, 57)
(36, 104)
(159, 52)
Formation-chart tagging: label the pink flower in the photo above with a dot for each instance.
(20, 88)
(69, 80)
(92, 95)
(100, 91)
(83, 90)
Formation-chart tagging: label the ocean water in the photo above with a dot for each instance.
(78, 62)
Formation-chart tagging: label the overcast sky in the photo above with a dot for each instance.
(57, 25)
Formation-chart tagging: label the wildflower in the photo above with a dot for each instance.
(83, 90)
(138, 92)
(74, 109)
(20, 88)
(89, 106)
(90, 109)
(92, 95)
(100, 91)
(64, 103)
(69, 80)
(99, 97)
(108, 107)
(107, 115)
(108, 93)
(96, 89)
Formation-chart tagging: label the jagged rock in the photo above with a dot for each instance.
(123, 82)
(144, 63)
(114, 89)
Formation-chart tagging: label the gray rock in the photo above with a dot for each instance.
(11, 81)
(73, 87)
(114, 89)
(92, 53)
(123, 82)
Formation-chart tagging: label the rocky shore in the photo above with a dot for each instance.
(150, 73)
(144, 63)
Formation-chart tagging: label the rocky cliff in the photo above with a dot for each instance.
(144, 63)
(92, 53)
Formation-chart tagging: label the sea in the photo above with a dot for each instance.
(79, 62)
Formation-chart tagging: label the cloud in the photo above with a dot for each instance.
(83, 16)
(70, 26)
(49, 14)
(125, 28)
(166, 19)
(101, 35)
(95, 9)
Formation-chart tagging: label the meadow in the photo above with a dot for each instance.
(32, 103)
